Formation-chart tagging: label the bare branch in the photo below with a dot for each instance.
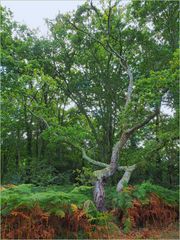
(130, 86)
(140, 125)
(100, 164)
(125, 178)
(124, 138)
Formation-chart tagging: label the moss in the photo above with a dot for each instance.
(100, 173)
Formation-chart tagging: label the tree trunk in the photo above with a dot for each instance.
(42, 144)
(29, 144)
(18, 149)
(37, 141)
(4, 164)
(99, 195)
(102, 175)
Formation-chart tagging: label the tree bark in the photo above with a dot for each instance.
(18, 149)
(99, 195)
(125, 178)
(29, 144)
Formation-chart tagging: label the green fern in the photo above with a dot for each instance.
(26, 196)
(123, 200)
(56, 197)
(127, 225)
(142, 193)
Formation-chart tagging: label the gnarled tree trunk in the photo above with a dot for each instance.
(99, 195)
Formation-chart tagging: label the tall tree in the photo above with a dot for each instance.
(96, 86)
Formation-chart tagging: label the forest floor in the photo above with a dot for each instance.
(170, 232)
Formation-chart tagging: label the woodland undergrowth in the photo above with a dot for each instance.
(30, 212)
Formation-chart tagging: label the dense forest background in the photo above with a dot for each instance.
(69, 89)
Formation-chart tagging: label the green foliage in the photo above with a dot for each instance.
(123, 200)
(53, 195)
(51, 199)
(84, 176)
(55, 200)
(142, 192)
(94, 216)
(127, 225)
(62, 200)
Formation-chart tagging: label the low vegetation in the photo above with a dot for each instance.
(64, 212)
